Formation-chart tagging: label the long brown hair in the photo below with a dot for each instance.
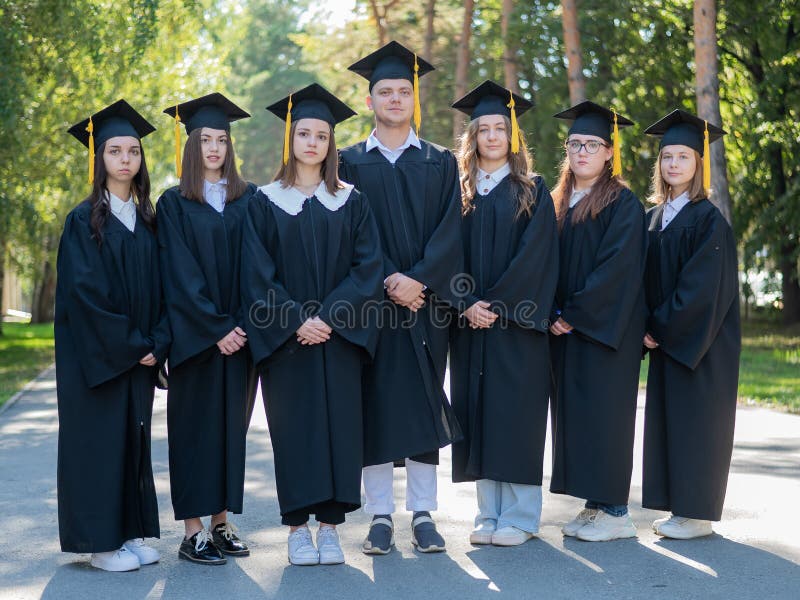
(99, 199)
(520, 164)
(193, 171)
(660, 190)
(604, 191)
(329, 169)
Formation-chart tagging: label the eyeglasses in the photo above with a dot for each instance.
(574, 146)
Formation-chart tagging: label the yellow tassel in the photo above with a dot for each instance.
(514, 125)
(177, 142)
(417, 106)
(616, 167)
(287, 132)
(90, 129)
(706, 163)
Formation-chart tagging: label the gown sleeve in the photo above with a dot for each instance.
(602, 309)
(687, 322)
(345, 309)
(524, 292)
(193, 317)
(107, 343)
(271, 316)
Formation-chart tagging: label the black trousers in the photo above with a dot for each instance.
(329, 511)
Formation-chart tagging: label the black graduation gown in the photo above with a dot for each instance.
(596, 367)
(211, 395)
(417, 206)
(317, 262)
(693, 298)
(108, 316)
(500, 377)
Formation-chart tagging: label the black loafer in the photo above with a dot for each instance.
(225, 538)
(200, 548)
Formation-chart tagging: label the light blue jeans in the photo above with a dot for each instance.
(509, 504)
(615, 510)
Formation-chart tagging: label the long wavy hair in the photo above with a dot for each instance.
(329, 169)
(604, 191)
(661, 191)
(521, 175)
(99, 199)
(193, 171)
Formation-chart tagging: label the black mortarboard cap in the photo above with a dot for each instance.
(213, 110)
(118, 119)
(392, 61)
(589, 118)
(490, 98)
(682, 128)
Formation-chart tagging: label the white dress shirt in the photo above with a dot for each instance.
(124, 211)
(488, 181)
(214, 194)
(393, 155)
(577, 196)
(672, 208)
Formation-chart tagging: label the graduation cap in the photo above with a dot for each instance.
(682, 128)
(394, 61)
(491, 98)
(312, 102)
(213, 110)
(117, 119)
(589, 118)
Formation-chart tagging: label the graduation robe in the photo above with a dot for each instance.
(210, 395)
(500, 376)
(596, 367)
(417, 206)
(108, 316)
(304, 257)
(693, 299)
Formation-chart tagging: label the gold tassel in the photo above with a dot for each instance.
(417, 106)
(177, 142)
(706, 163)
(514, 125)
(616, 167)
(287, 132)
(90, 129)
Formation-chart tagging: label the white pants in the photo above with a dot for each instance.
(379, 487)
(509, 504)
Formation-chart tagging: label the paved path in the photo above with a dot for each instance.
(756, 553)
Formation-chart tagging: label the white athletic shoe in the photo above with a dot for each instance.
(682, 528)
(301, 548)
(482, 534)
(571, 528)
(115, 560)
(510, 536)
(147, 555)
(604, 527)
(330, 551)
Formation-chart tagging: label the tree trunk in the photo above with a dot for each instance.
(572, 47)
(707, 90)
(462, 66)
(380, 14)
(510, 69)
(2, 275)
(44, 298)
(427, 50)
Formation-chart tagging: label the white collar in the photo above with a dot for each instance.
(497, 175)
(291, 200)
(207, 184)
(118, 206)
(411, 140)
(678, 203)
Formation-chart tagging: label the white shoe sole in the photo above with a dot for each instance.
(683, 535)
(480, 538)
(429, 549)
(114, 568)
(332, 560)
(622, 534)
(510, 541)
(304, 562)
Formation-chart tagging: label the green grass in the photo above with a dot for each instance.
(24, 351)
(769, 370)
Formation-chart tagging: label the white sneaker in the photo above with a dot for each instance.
(571, 528)
(682, 528)
(301, 548)
(659, 522)
(330, 551)
(510, 536)
(482, 534)
(116, 560)
(147, 555)
(603, 527)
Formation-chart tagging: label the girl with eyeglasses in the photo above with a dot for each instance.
(597, 326)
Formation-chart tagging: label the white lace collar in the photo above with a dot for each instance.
(291, 200)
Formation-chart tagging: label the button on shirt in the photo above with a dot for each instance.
(577, 196)
(124, 211)
(488, 181)
(392, 155)
(214, 194)
(672, 208)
